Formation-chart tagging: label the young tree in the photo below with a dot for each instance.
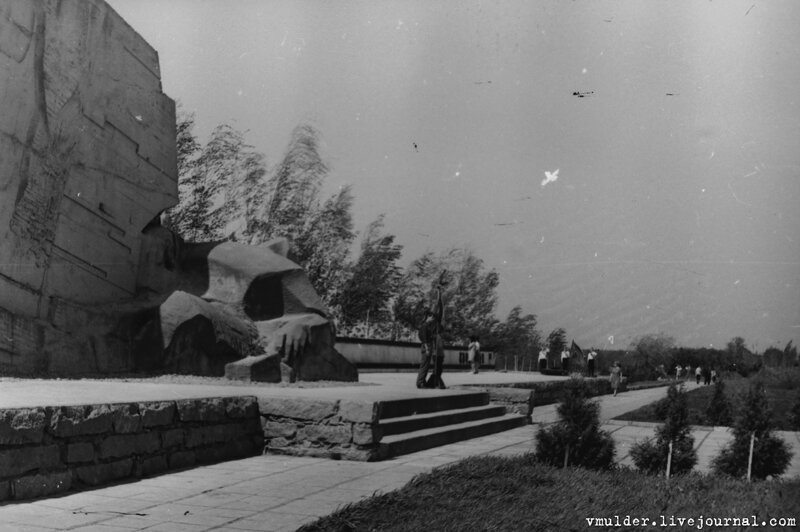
(576, 439)
(771, 455)
(652, 457)
(718, 412)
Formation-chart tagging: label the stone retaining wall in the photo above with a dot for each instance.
(515, 400)
(49, 450)
(549, 392)
(324, 428)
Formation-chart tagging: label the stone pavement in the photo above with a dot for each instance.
(266, 493)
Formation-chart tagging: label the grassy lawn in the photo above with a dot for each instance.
(517, 493)
(782, 392)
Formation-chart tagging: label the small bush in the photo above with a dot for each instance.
(651, 457)
(718, 412)
(579, 429)
(771, 455)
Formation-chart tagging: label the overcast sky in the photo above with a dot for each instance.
(674, 127)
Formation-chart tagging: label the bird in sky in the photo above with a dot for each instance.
(549, 177)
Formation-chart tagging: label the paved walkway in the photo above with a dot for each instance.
(267, 493)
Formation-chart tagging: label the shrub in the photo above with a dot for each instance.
(771, 455)
(579, 429)
(651, 457)
(718, 412)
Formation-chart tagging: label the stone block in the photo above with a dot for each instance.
(68, 421)
(157, 414)
(280, 429)
(226, 451)
(118, 446)
(181, 459)
(172, 438)
(41, 485)
(205, 410)
(153, 466)
(306, 409)
(241, 407)
(326, 433)
(259, 368)
(518, 401)
(278, 443)
(359, 455)
(364, 434)
(95, 475)
(360, 412)
(15, 462)
(22, 426)
(127, 418)
(199, 436)
(80, 452)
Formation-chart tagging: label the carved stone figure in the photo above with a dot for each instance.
(90, 283)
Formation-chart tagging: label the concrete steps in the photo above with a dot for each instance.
(411, 425)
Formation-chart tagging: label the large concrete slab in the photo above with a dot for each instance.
(22, 393)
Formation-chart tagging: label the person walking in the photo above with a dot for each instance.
(698, 373)
(565, 360)
(474, 353)
(615, 376)
(590, 362)
(543, 359)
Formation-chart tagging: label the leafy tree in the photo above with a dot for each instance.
(577, 435)
(557, 341)
(651, 457)
(518, 335)
(215, 183)
(718, 412)
(324, 246)
(186, 218)
(374, 280)
(649, 352)
(295, 186)
(771, 455)
(470, 296)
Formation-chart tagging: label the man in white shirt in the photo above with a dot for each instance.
(590, 362)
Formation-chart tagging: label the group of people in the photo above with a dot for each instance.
(565, 360)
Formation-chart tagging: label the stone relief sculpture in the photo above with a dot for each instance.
(90, 282)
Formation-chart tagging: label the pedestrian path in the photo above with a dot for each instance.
(281, 493)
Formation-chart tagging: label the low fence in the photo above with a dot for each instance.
(385, 354)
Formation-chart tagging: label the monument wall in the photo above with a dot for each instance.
(88, 159)
(90, 282)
